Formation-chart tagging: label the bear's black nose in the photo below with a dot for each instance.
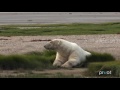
(44, 46)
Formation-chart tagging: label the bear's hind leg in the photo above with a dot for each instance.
(72, 61)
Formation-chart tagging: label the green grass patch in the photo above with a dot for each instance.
(104, 69)
(32, 60)
(60, 29)
(98, 57)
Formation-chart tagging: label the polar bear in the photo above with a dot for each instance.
(68, 54)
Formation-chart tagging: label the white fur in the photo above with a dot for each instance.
(69, 54)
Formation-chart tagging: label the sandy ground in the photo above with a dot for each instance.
(77, 72)
(109, 43)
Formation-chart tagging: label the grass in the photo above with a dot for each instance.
(96, 69)
(32, 60)
(97, 57)
(42, 60)
(60, 29)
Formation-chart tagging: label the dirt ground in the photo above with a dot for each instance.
(109, 43)
(77, 72)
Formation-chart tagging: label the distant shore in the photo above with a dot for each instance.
(57, 17)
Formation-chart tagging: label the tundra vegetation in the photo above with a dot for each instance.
(60, 29)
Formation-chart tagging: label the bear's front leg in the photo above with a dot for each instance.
(59, 60)
(67, 65)
(57, 63)
(70, 63)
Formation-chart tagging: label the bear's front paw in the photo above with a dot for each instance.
(58, 64)
(66, 66)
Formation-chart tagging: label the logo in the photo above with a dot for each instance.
(105, 72)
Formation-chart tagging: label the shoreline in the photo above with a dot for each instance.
(7, 18)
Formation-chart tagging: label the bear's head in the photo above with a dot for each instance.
(53, 45)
